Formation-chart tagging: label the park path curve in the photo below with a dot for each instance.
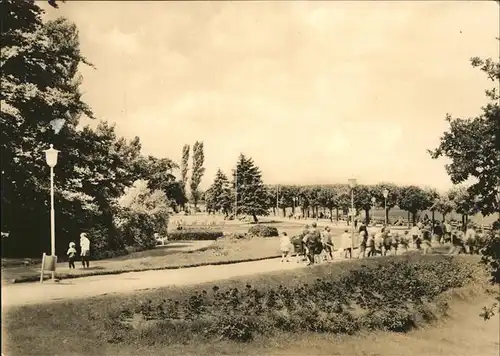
(86, 287)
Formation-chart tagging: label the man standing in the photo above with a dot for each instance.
(326, 239)
(85, 250)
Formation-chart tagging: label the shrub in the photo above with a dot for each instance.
(200, 235)
(263, 231)
(386, 294)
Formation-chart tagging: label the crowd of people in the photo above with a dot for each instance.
(316, 245)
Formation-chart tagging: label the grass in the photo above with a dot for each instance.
(86, 327)
(223, 251)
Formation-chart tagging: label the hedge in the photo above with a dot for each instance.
(263, 231)
(198, 235)
(392, 294)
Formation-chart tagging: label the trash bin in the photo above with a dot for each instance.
(50, 263)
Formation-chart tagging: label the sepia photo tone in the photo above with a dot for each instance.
(250, 178)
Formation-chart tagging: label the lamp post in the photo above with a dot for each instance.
(386, 194)
(277, 200)
(352, 185)
(373, 207)
(51, 159)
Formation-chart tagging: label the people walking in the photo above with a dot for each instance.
(346, 243)
(285, 245)
(326, 239)
(85, 250)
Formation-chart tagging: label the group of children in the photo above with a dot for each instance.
(369, 242)
(84, 252)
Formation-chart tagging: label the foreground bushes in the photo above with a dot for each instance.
(263, 231)
(190, 235)
(384, 294)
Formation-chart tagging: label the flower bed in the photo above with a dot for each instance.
(386, 294)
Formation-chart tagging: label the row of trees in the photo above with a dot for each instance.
(247, 193)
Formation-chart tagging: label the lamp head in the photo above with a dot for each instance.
(386, 193)
(51, 156)
(374, 200)
(352, 183)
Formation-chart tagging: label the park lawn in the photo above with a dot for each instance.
(86, 327)
(224, 250)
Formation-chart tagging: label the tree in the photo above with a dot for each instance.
(40, 82)
(473, 146)
(185, 167)
(470, 156)
(363, 199)
(463, 202)
(219, 196)
(328, 199)
(197, 171)
(414, 199)
(251, 193)
(392, 197)
(444, 205)
(144, 212)
(159, 173)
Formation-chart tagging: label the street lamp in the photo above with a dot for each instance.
(352, 185)
(51, 159)
(373, 207)
(386, 194)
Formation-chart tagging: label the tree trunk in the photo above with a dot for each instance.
(367, 216)
(255, 218)
(433, 220)
(408, 218)
(331, 214)
(387, 216)
(337, 214)
(284, 212)
(414, 217)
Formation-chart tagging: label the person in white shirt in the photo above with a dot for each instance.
(346, 243)
(85, 250)
(285, 245)
(470, 239)
(415, 233)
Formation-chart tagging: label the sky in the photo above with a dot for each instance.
(315, 92)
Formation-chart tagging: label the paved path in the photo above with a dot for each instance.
(85, 287)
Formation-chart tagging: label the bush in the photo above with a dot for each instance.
(386, 294)
(263, 231)
(190, 235)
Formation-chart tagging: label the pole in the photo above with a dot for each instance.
(385, 210)
(236, 193)
(352, 221)
(277, 198)
(52, 219)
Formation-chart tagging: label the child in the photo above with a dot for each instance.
(346, 243)
(370, 244)
(379, 243)
(71, 254)
(395, 242)
(285, 246)
(405, 240)
(387, 242)
(326, 239)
